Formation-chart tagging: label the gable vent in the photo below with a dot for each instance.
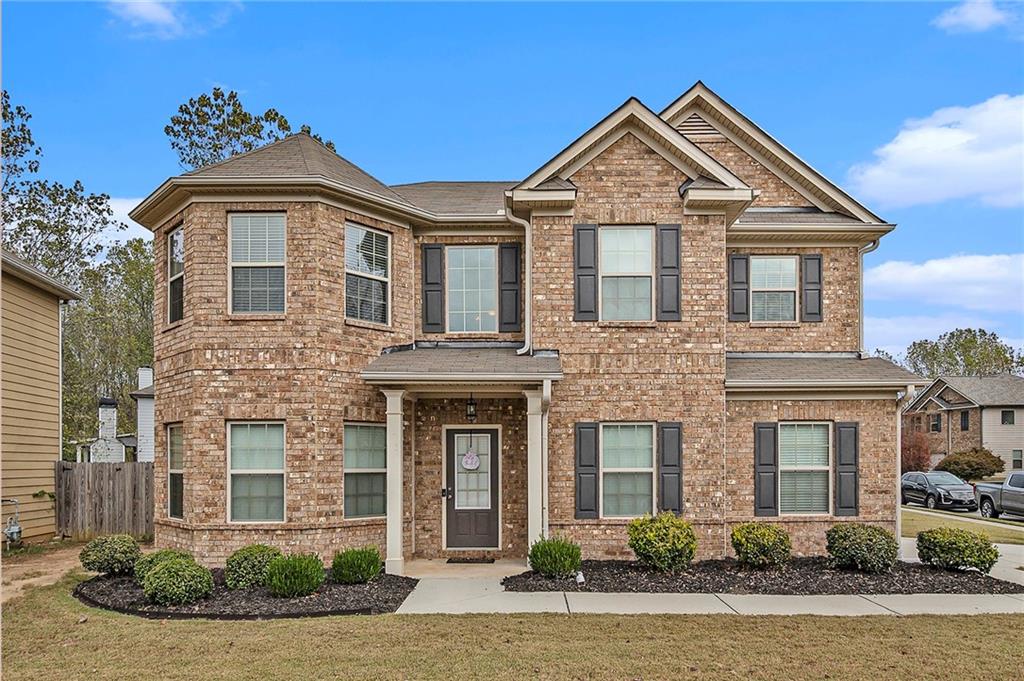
(695, 125)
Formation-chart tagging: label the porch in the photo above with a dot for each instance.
(466, 450)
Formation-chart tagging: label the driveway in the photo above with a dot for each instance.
(968, 514)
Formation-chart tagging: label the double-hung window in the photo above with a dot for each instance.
(935, 423)
(176, 275)
(773, 288)
(175, 471)
(1007, 417)
(805, 460)
(257, 262)
(627, 273)
(367, 274)
(256, 472)
(1017, 461)
(965, 420)
(365, 471)
(472, 289)
(627, 469)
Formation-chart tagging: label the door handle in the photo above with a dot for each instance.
(447, 493)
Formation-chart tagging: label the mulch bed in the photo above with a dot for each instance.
(801, 576)
(123, 594)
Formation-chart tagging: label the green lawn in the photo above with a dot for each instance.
(997, 532)
(48, 634)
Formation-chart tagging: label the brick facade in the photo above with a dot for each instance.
(950, 438)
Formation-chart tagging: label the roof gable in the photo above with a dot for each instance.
(715, 112)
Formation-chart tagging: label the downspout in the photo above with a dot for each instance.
(864, 250)
(528, 285)
(901, 403)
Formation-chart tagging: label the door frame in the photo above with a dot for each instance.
(444, 483)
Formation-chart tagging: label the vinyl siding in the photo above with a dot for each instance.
(30, 397)
(1000, 439)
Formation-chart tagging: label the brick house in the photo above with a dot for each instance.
(957, 413)
(665, 315)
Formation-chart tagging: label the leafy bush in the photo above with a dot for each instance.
(761, 544)
(555, 557)
(356, 566)
(867, 548)
(151, 560)
(297, 575)
(247, 567)
(914, 452)
(955, 549)
(973, 464)
(114, 554)
(664, 542)
(178, 581)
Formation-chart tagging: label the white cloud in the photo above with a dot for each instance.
(894, 334)
(959, 152)
(168, 19)
(993, 283)
(972, 16)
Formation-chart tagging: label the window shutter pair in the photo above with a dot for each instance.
(509, 288)
(846, 451)
(669, 468)
(811, 309)
(667, 274)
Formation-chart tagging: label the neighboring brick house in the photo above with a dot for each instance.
(957, 413)
(666, 315)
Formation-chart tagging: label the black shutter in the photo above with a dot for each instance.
(586, 470)
(509, 296)
(433, 288)
(739, 288)
(668, 284)
(670, 467)
(766, 469)
(847, 455)
(811, 308)
(585, 272)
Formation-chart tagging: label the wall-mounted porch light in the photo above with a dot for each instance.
(471, 409)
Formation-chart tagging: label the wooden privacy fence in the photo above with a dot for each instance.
(93, 499)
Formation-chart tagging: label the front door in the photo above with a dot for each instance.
(471, 472)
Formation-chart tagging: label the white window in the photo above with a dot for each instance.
(175, 471)
(627, 469)
(367, 274)
(257, 263)
(472, 289)
(627, 273)
(176, 275)
(365, 471)
(805, 464)
(256, 475)
(773, 287)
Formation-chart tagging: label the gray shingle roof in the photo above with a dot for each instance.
(782, 371)
(148, 391)
(988, 391)
(795, 217)
(463, 364)
(469, 198)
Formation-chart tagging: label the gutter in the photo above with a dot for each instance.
(387, 377)
(527, 226)
(861, 252)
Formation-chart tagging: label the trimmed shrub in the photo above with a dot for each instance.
(555, 557)
(956, 549)
(868, 548)
(297, 575)
(973, 464)
(247, 567)
(664, 542)
(356, 566)
(114, 554)
(178, 581)
(149, 561)
(761, 545)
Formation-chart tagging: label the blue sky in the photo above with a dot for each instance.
(917, 108)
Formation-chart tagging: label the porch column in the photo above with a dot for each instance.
(394, 561)
(534, 466)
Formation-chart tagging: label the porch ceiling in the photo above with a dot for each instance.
(467, 366)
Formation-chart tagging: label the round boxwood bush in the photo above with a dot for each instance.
(761, 545)
(555, 557)
(114, 554)
(297, 575)
(178, 581)
(955, 549)
(356, 566)
(664, 542)
(149, 561)
(247, 567)
(868, 548)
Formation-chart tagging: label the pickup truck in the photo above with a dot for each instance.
(994, 499)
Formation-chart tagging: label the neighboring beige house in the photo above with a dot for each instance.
(957, 413)
(666, 315)
(30, 421)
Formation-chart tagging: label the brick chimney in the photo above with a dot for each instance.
(108, 418)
